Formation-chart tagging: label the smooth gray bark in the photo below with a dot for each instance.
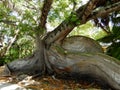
(76, 64)
(101, 67)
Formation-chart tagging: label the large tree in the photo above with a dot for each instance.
(53, 56)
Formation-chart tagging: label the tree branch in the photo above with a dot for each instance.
(105, 11)
(43, 18)
(66, 26)
(6, 49)
(89, 7)
(41, 27)
(12, 41)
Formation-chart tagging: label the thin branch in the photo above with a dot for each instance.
(7, 48)
(12, 41)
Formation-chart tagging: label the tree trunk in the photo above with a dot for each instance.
(81, 44)
(65, 62)
(69, 64)
(102, 68)
(32, 65)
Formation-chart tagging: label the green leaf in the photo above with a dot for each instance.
(74, 18)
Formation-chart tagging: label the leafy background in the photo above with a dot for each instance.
(19, 18)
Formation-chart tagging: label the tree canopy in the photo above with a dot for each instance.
(19, 20)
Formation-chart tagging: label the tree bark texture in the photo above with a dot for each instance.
(101, 67)
(35, 64)
(69, 63)
(81, 58)
(81, 44)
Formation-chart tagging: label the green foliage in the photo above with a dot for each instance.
(21, 48)
(24, 15)
(116, 31)
(114, 38)
(73, 17)
(22, 18)
(88, 30)
(62, 9)
(114, 50)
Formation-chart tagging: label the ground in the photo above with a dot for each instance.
(49, 83)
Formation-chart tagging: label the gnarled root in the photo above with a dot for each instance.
(103, 68)
(31, 66)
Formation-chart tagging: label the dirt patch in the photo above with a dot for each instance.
(48, 83)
